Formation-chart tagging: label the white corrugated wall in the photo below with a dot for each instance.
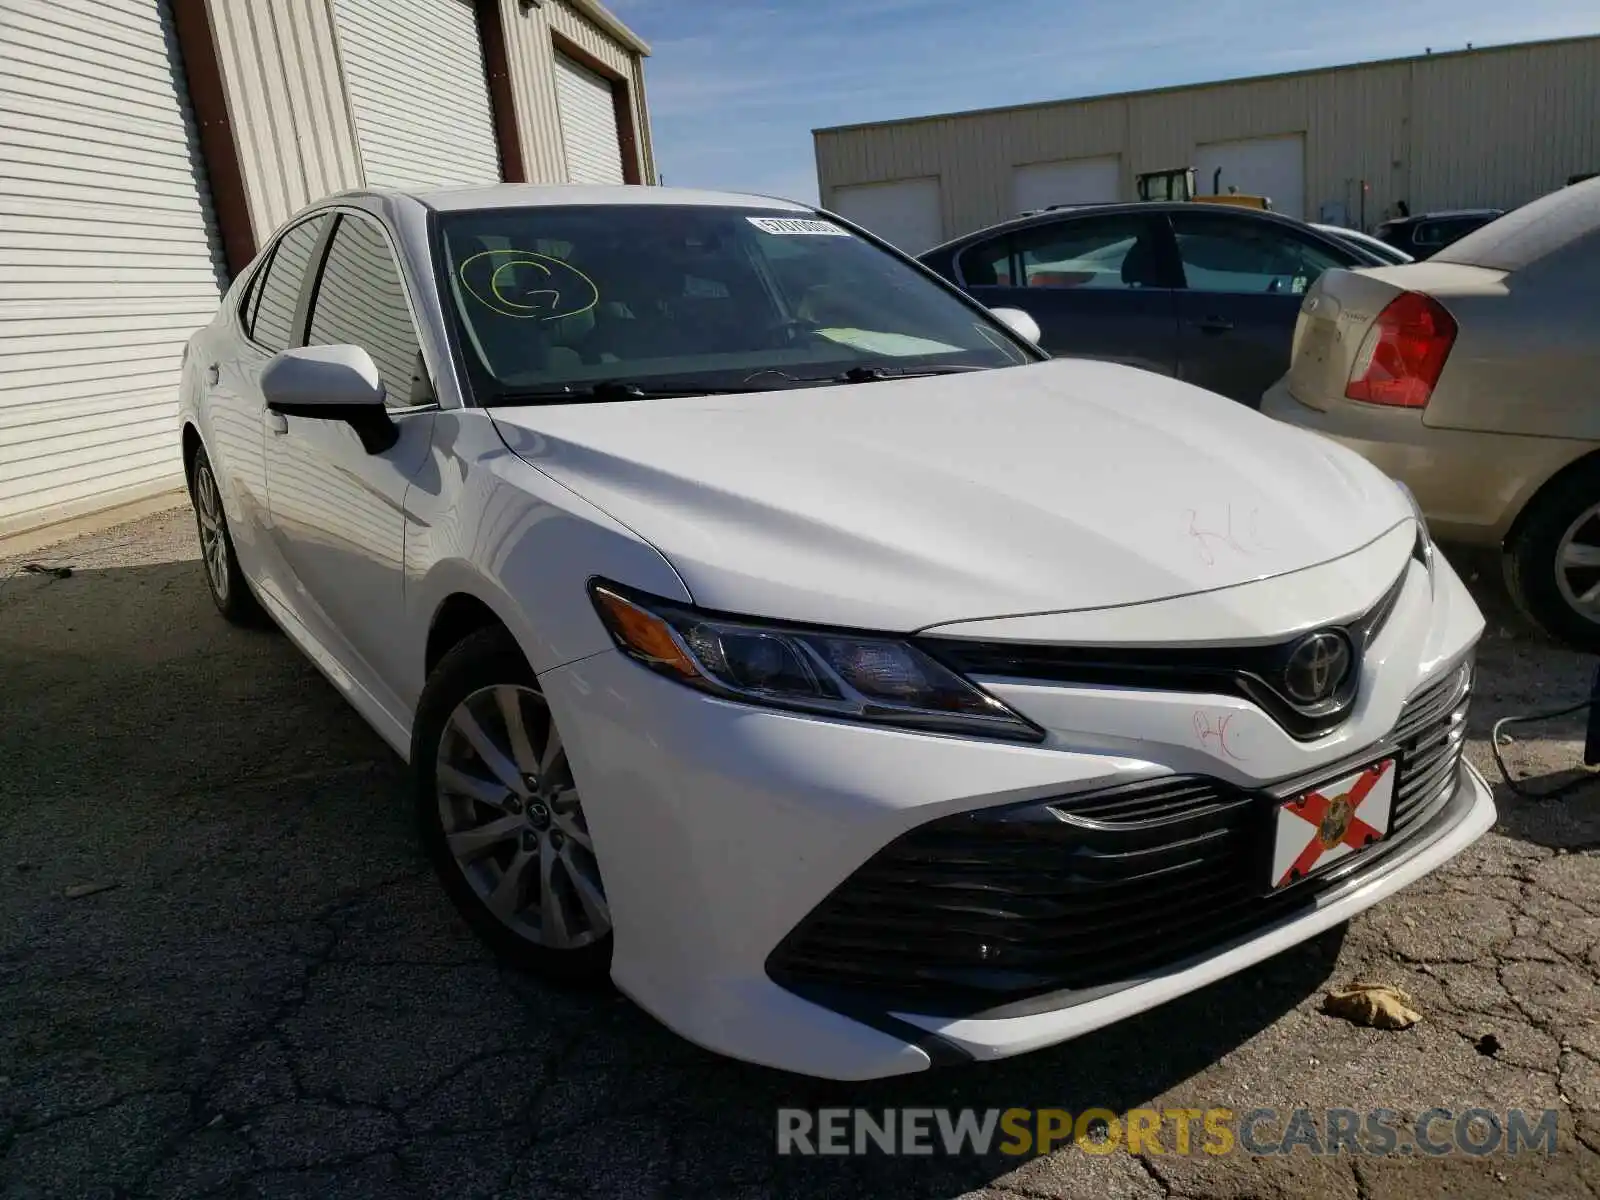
(292, 126)
(529, 32)
(108, 251)
(293, 121)
(588, 124)
(108, 254)
(414, 70)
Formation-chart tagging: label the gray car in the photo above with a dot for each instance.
(1206, 293)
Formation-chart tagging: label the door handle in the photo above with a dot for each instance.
(213, 373)
(1213, 325)
(278, 423)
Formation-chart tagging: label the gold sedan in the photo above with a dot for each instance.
(1474, 379)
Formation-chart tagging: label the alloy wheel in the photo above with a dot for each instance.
(1578, 564)
(213, 530)
(513, 821)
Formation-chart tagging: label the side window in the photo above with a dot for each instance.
(1248, 257)
(1091, 252)
(988, 264)
(251, 297)
(1449, 232)
(271, 307)
(361, 301)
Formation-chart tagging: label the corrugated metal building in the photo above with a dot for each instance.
(147, 147)
(1491, 127)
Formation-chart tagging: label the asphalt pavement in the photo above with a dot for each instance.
(225, 970)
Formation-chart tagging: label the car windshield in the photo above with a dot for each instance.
(692, 297)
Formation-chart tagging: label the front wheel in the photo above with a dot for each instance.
(500, 815)
(1552, 560)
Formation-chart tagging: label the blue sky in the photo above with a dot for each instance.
(736, 86)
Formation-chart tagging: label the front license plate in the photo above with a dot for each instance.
(1342, 817)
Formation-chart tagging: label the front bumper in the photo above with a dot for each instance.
(1469, 815)
(721, 827)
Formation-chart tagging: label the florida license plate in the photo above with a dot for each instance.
(1318, 828)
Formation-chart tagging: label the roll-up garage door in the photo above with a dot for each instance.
(588, 124)
(1274, 167)
(1074, 181)
(419, 92)
(904, 213)
(108, 259)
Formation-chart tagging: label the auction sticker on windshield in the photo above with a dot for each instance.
(797, 225)
(1318, 828)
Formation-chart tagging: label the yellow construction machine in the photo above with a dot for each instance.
(1178, 184)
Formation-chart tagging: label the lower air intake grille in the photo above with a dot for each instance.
(1088, 891)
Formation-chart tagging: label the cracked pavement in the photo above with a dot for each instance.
(264, 994)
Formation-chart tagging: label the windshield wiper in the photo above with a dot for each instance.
(878, 374)
(605, 392)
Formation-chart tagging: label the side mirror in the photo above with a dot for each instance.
(1019, 322)
(331, 383)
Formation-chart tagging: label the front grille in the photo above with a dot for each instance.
(1088, 892)
(1252, 673)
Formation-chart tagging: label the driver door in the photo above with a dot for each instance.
(338, 511)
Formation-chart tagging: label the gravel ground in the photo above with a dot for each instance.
(269, 997)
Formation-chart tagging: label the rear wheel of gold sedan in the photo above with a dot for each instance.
(1552, 559)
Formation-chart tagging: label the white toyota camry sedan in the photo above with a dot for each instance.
(773, 630)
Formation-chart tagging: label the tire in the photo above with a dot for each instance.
(497, 847)
(229, 589)
(1558, 523)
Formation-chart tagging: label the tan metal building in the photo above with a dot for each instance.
(1485, 127)
(147, 147)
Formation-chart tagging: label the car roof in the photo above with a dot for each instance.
(1073, 211)
(540, 195)
(1447, 212)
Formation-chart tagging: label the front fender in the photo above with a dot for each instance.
(482, 522)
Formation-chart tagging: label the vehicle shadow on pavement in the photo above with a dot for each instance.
(224, 967)
(1125, 1066)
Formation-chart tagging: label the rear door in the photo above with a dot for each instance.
(1243, 281)
(1100, 286)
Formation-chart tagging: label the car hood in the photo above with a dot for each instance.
(901, 504)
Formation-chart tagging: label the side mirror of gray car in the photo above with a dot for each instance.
(1019, 322)
(331, 383)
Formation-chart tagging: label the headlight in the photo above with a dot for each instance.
(1424, 546)
(878, 679)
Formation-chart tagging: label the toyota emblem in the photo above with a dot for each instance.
(1317, 667)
